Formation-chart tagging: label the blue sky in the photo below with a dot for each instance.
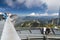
(30, 6)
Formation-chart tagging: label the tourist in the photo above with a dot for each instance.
(48, 30)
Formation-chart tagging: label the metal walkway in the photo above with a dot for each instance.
(34, 33)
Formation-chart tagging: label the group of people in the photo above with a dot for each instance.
(45, 30)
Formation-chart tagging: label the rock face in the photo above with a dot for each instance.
(9, 32)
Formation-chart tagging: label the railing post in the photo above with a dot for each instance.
(44, 37)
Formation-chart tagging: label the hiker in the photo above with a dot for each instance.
(44, 30)
(47, 30)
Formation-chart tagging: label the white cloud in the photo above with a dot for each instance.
(9, 2)
(31, 3)
(55, 14)
(27, 3)
(44, 14)
(20, 1)
(33, 14)
(2, 9)
(1, 12)
(53, 5)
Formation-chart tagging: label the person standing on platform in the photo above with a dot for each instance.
(48, 30)
(44, 30)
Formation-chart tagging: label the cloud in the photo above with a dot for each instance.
(1, 12)
(33, 14)
(44, 14)
(53, 5)
(55, 14)
(2, 9)
(11, 3)
(32, 3)
(27, 3)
